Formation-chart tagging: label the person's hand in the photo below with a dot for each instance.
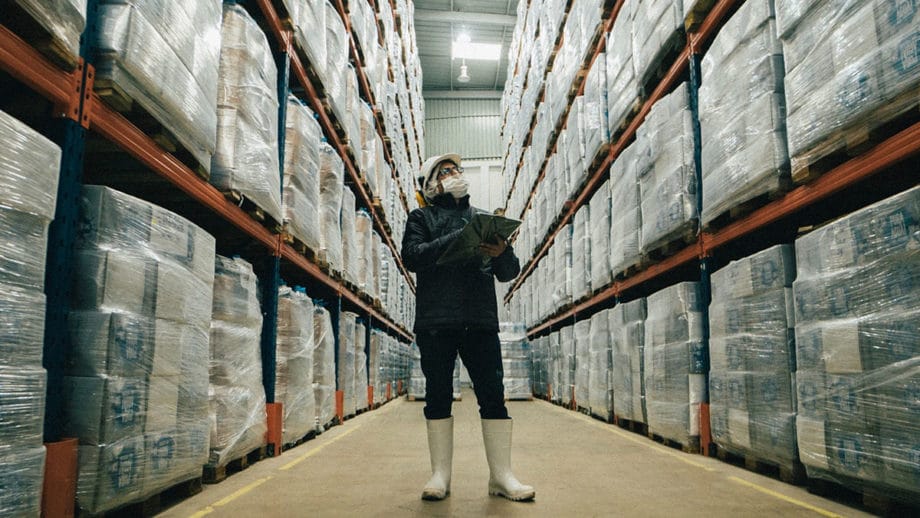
(494, 249)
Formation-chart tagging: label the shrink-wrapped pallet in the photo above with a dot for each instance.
(349, 237)
(622, 84)
(627, 334)
(331, 188)
(294, 363)
(751, 377)
(375, 268)
(237, 396)
(600, 357)
(361, 374)
(743, 123)
(850, 68)
(858, 365)
(364, 257)
(301, 200)
(246, 160)
(323, 366)
(667, 175)
(378, 358)
(22, 408)
(516, 360)
(63, 19)
(136, 384)
(346, 360)
(567, 364)
(22, 481)
(676, 363)
(337, 55)
(600, 211)
(657, 29)
(582, 360)
(625, 216)
(595, 108)
(310, 33)
(575, 157)
(581, 254)
(164, 56)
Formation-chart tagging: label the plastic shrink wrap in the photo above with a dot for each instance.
(361, 378)
(743, 123)
(625, 216)
(349, 237)
(376, 266)
(294, 360)
(246, 160)
(363, 249)
(582, 361)
(576, 160)
(622, 85)
(581, 254)
(595, 108)
(850, 67)
(323, 366)
(346, 360)
(599, 364)
(337, 56)
(627, 334)
(751, 377)
(676, 363)
(136, 384)
(310, 33)
(857, 304)
(600, 210)
(63, 19)
(378, 358)
(29, 169)
(667, 175)
(416, 388)
(657, 29)
(567, 375)
(516, 360)
(301, 200)
(331, 188)
(236, 393)
(22, 478)
(164, 56)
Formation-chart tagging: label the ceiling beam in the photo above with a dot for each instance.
(436, 16)
(462, 94)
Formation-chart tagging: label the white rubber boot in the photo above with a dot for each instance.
(496, 433)
(441, 449)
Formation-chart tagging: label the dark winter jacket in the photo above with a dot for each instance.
(453, 296)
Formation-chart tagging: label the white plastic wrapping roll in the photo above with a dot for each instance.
(64, 19)
(165, 56)
(246, 160)
(331, 187)
(294, 387)
(237, 396)
(301, 199)
(323, 366)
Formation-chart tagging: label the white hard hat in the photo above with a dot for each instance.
(427, 169)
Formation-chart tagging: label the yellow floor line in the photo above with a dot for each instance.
(822, 512)
(316, 450)
(229, 498)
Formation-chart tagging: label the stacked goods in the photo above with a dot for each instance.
(309, 19)
(349, 238)
(622, 86)
(346, 363)
(323, 366)
(595, 108)
(361, 379)
(364, 257)
(136, 390)
(657, 27)
(667, 174)
(337, 55)
(857, 304)
(516, 361)
(541, 366)
(581, 254)
(375, 282)
(378, 359)
(600, 399)
(582, 360)
(751, 377)
(29, 166)
(676, 363)
(331, 188)
(236, 393)
(63, 19)
(850, 68)
(625, 217)
(627, 333)
(164, 56)
(246, 160)
(416, 388)
(301, 200)
(566, 343)
(294, 363)
(743, 123)
(576, 162)
(600, 231)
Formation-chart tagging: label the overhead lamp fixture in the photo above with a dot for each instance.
(464, 38)
(464, 76)
(480, 51)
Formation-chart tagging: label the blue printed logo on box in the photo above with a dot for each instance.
(164, 452)
(855, 90)
(908, 53)
(850, 452)
(122, 469)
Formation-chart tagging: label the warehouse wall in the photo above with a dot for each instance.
(470, 127)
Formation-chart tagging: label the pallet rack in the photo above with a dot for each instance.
(78, 116)
(829, 195)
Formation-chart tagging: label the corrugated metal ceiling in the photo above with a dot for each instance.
(434, 35)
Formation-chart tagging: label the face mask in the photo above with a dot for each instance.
(457, 186)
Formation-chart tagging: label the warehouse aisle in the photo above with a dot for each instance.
(377, 463)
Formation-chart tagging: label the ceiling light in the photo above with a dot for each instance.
(464, 77)
(463, 38)
(481, 51)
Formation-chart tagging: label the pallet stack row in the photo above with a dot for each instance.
(268, 133)
(694, 275)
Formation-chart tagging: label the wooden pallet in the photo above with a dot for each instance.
(254, 211)
(790, 474)
(668, 248)
(302, 248)
(410, 397)
(630, 270)
(113, 95)
(745, 208)
(215, 474)
(633, 426)
(605, 418)
(15, 18)
(152, 505)
(308, 437)
(876, 499)
(631, 113)
(663, 61)
(693, 446)
(840, 146)
(697, 13)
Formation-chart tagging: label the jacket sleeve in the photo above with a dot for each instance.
(419, 250)
(506, 266)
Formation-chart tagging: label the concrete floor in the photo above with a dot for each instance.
(377, 463)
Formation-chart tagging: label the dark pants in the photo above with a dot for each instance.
(480, 352)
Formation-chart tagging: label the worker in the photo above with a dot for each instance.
(456, 313)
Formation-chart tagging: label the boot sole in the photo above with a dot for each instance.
(520, 498)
